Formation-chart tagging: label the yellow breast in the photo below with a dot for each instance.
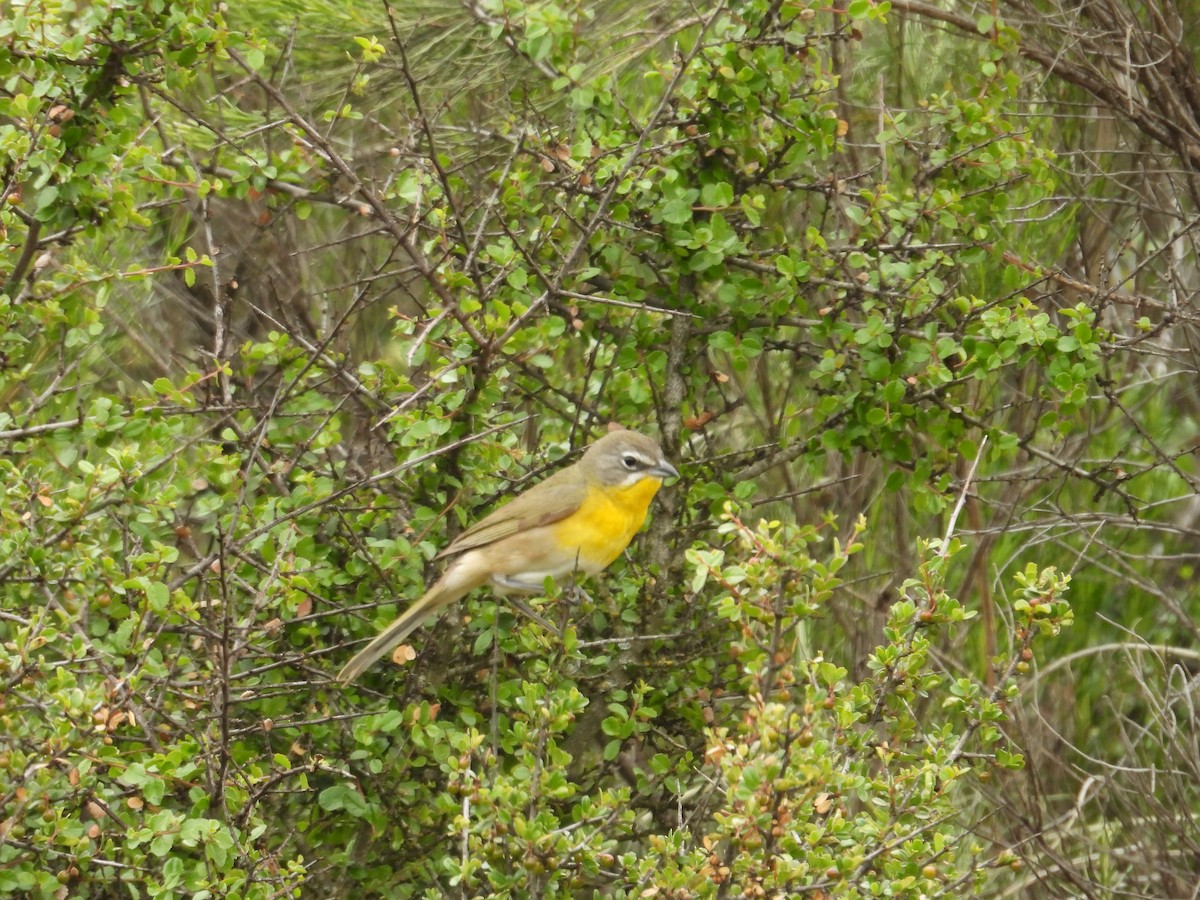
(605, 523)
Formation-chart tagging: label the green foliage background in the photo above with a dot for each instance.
(288, 299)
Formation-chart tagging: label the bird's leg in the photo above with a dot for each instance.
(573, 594)
(528, 610)
(507, 586)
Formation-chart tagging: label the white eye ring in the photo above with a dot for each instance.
(630, 461)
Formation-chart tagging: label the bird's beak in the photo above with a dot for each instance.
(665, 470)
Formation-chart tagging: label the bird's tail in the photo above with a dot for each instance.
(447, 589)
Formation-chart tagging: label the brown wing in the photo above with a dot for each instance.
(543, 504)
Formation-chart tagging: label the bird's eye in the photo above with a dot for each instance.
(630, 461)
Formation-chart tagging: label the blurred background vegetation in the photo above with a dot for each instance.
(291, 292)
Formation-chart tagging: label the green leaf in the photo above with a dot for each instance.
(159, 596)
(722, 340)
(677, 212)
(342, 797)
(717, 195)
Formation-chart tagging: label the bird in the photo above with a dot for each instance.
(577, 521)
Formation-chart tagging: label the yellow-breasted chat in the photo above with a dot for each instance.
(578, 520)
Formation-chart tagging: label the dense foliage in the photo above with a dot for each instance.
(289, 300)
